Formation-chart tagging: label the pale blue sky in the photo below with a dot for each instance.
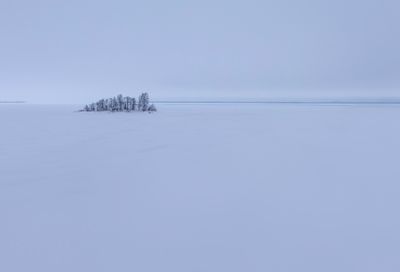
(76, 51)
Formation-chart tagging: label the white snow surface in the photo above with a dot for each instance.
(200, 188)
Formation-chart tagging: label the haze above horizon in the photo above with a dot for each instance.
(75, 51)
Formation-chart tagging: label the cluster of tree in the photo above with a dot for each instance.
(121, 103)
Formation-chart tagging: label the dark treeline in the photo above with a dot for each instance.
(121, 103)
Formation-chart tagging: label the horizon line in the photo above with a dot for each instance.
(337, 101)
(285, 101)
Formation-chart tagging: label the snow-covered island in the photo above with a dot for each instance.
(121, 103)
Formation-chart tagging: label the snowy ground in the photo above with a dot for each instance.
(200, 188)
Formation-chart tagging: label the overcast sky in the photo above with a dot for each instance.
(79, 50)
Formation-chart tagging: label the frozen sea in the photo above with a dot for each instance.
(200, 187)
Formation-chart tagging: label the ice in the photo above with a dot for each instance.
(232, 187)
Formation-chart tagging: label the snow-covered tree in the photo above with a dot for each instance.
(114, 104)
(107, 104)
(143, 103)
(92, 107)
(127, 103)
(134, 105)
(120, 102)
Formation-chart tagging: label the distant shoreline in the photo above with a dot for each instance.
(12, 102)
(310, 102)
